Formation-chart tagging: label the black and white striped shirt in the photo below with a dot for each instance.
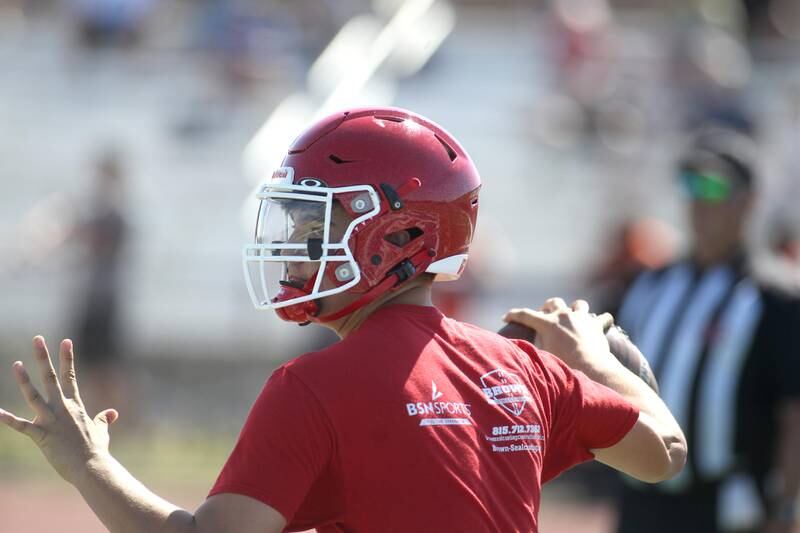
(725, 353)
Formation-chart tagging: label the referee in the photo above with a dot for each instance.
(726, 353)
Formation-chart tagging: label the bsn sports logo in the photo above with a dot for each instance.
(506, 390)
(440, 413)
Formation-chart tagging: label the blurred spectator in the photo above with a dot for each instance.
(257, 41)
(726, 351)
(248, 39)
(638, 245)
(116, 23)
(103, 234)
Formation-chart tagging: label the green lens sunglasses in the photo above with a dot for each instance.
(707, 186)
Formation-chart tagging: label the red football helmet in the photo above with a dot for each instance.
(347, 183)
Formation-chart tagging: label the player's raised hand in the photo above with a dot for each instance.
(62, 429)
(569, 332)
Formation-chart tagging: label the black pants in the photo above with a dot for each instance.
(651, 511)
(96, 334)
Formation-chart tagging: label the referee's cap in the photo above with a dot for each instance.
(724, 151)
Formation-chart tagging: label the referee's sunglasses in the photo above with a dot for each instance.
(709, 187)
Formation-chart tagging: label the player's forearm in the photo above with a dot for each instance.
(608, 371)
(124, 504)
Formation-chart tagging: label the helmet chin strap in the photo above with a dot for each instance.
(306, 312)
(301, 312)
(408, 269)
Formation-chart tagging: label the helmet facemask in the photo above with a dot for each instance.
(301, 251)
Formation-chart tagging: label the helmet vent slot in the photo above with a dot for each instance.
(403, 237)
(450, 152)
(339, 161)
(390, 118)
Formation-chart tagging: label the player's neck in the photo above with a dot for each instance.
(413, 295)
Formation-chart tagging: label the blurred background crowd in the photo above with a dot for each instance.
(136, 130)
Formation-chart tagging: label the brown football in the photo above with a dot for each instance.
(630, 356)
(513, 330)
(619, 343)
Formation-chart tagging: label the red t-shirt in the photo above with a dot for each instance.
(417, 422)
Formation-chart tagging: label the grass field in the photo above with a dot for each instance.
(33, 499)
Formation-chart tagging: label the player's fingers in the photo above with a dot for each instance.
(529, 318)
(552, 305)
(21, 425)
(581, 306)
(29, 392)
(607, 320)
(66, 366)
(107, 417)
(46, 370)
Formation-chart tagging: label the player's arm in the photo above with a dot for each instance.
(655, 447)
(123, 504)
(77, 447)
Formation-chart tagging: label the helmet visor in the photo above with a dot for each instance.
(293, 226)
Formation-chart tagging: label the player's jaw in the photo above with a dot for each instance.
(299, 273)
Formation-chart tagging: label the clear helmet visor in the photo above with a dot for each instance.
(299, 232)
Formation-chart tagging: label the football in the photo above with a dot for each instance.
(513, 330)
(621, 346)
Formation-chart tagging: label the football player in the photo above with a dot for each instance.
(413, 421)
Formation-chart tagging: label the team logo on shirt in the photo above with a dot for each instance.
(506, 390)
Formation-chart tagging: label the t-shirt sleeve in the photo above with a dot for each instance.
(286, 442)
(585, 415)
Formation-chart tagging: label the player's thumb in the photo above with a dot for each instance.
(107, 417)
(606, 319)
(535, 320)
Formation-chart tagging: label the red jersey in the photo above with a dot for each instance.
(417, 422)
